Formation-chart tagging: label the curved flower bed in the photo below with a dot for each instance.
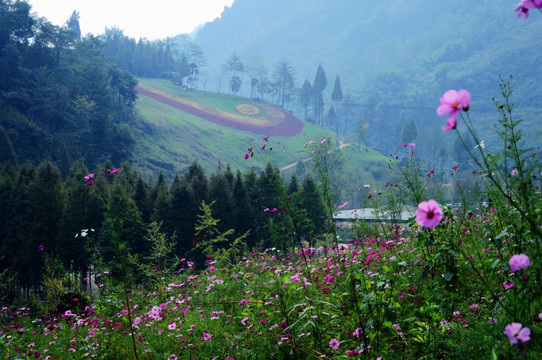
(289, 126)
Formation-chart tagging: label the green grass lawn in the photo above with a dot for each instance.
(172, 139)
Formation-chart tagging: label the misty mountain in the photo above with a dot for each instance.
(447, 46)
(395, 57)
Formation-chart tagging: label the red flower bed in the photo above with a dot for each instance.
(289, 127)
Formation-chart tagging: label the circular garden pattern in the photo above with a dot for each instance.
(247, 109)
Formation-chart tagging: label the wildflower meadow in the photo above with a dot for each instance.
(452, 281)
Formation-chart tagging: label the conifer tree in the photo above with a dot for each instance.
(141, 196)
(181, 216)
(409, 133)
(220, 193)
(337, 97)
(123, 223)
(8, 179)
(242, 209)
(83, 211)
(306, 95)
(318, 86)
(311, 201)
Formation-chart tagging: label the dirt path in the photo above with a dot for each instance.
(291, 165)
(288, 127)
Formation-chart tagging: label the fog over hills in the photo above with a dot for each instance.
(395, 58)
(358, 39)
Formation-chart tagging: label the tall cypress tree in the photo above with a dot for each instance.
(337, 97)
(198, 183)
(141, 196)
(83, 211)
(123, 224)
(8, 180)
(269, 197)
(20, 249)
(320, 83)
(306, 95)
(221, 193)
(311, 201)
(182, 215)
(242, 208)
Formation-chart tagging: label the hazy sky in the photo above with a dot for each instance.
(152, 19)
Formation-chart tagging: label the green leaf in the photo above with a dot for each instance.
(495, 263)
(503, 233)
(449, 276)
(367, 297)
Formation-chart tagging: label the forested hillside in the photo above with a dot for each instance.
(60, 98)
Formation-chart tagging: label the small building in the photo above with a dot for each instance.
(375, 215)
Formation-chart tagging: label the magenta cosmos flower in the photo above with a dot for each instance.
(429, 213)
(450, 124)
(519, 262)
(515, 332)
(452, 102)
(525, 5)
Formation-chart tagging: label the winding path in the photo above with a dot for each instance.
(291, 165)
(288, 127)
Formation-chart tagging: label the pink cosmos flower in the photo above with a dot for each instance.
(323, 141)
(451, 124)
(206, 336)
(265, 138)
(343, 205)
(89, 176)
(525, 5)
(515, 332)
(114, 170)
(519, 262)
(514, 173)
(172, 326)
(429, 213)
(89, 183)
(246, 156)
(334, 344)
(453, 102)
